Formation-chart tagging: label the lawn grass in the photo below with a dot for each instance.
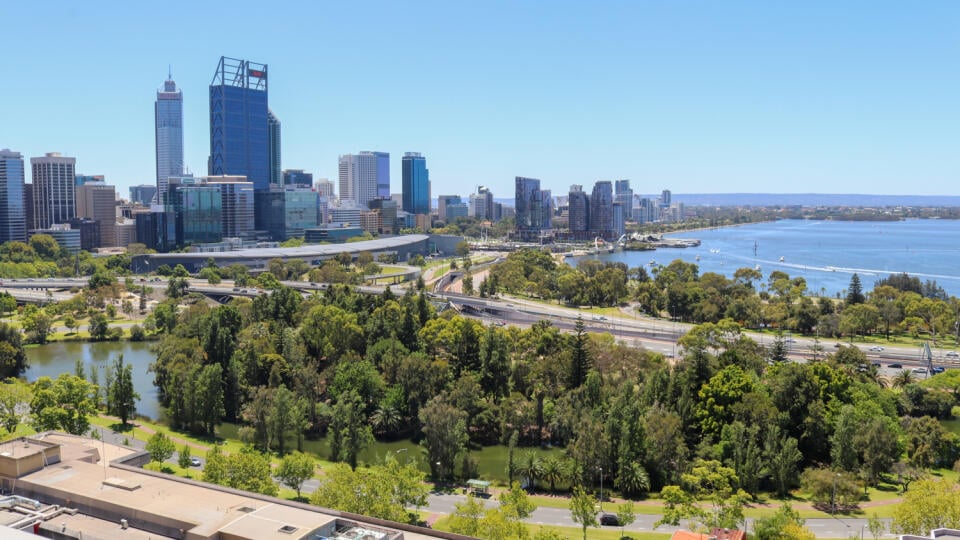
(593, 533)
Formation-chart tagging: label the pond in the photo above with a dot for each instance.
(53, 359)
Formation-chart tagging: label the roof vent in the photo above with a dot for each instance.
(288, 529)
(245, 509)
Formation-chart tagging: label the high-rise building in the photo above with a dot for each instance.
(297, 177)
(489, 206)
(443, 202)
(364, 176)
(99, 202)
(387, 215)
(198, 213)
(578, 212)
(665, 197)
(534, 208)
(624, 196)
(236, 205)
(168, 126)
(143, 194)
(13, 215)
(239, 124)
(300, 211)
(601, 209)
(383, 174)
(416, 184)
(273, 136)
(325, 188)
(54, 190)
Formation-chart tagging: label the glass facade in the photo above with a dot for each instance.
(13, 215)
(168, 126)
(416, 184)
(273, 136)
(383, 174)
(300, 211)
(199, 213)
(239, 138)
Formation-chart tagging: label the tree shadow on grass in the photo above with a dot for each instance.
(122, 428)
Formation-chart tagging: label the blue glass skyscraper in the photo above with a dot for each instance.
(13, 226)
(239, 133)
(416, 184)
(383, 174)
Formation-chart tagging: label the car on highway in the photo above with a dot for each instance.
(876, 348)
(895, 365)
(610, 520)
(938, 369)
(952, 354)
(920, 370)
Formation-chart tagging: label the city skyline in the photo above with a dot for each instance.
(704, 98)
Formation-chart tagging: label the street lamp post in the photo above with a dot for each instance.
(833, 498)
(601, 489)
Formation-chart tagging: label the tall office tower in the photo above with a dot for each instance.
(363, 176)
(273, 136)
(527, 203)
(54, 189)
(619, 222)
(13, 215)
(578, 205)
(416, 184)
(236, 205)
(324, 187)
(444, 202)
(665, 197)
(534, 207)
(601, 209)
(383, 175)
(486, 196)
(624, 196)
(197, 212)
(297, 177)
(98, 202)
(168, 126)
(546, 210)
(239, 125)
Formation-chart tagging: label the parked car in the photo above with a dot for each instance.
(609, 519)
(895, 366)
(195, 461)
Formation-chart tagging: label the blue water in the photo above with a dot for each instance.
(824, 253)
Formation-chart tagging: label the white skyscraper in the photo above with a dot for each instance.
(54, 190)
(360, 175)
(168, 116)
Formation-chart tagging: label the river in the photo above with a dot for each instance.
(825, 253)
(53, 359)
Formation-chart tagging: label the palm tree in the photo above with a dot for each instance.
(530, 467)
(902, 379)
(633, 478)
(555, 469)
(386, 420)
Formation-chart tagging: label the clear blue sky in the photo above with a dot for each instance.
(694, 96)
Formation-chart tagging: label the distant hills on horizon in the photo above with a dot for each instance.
(802, 199)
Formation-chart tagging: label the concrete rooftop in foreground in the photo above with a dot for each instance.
(157, 505)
